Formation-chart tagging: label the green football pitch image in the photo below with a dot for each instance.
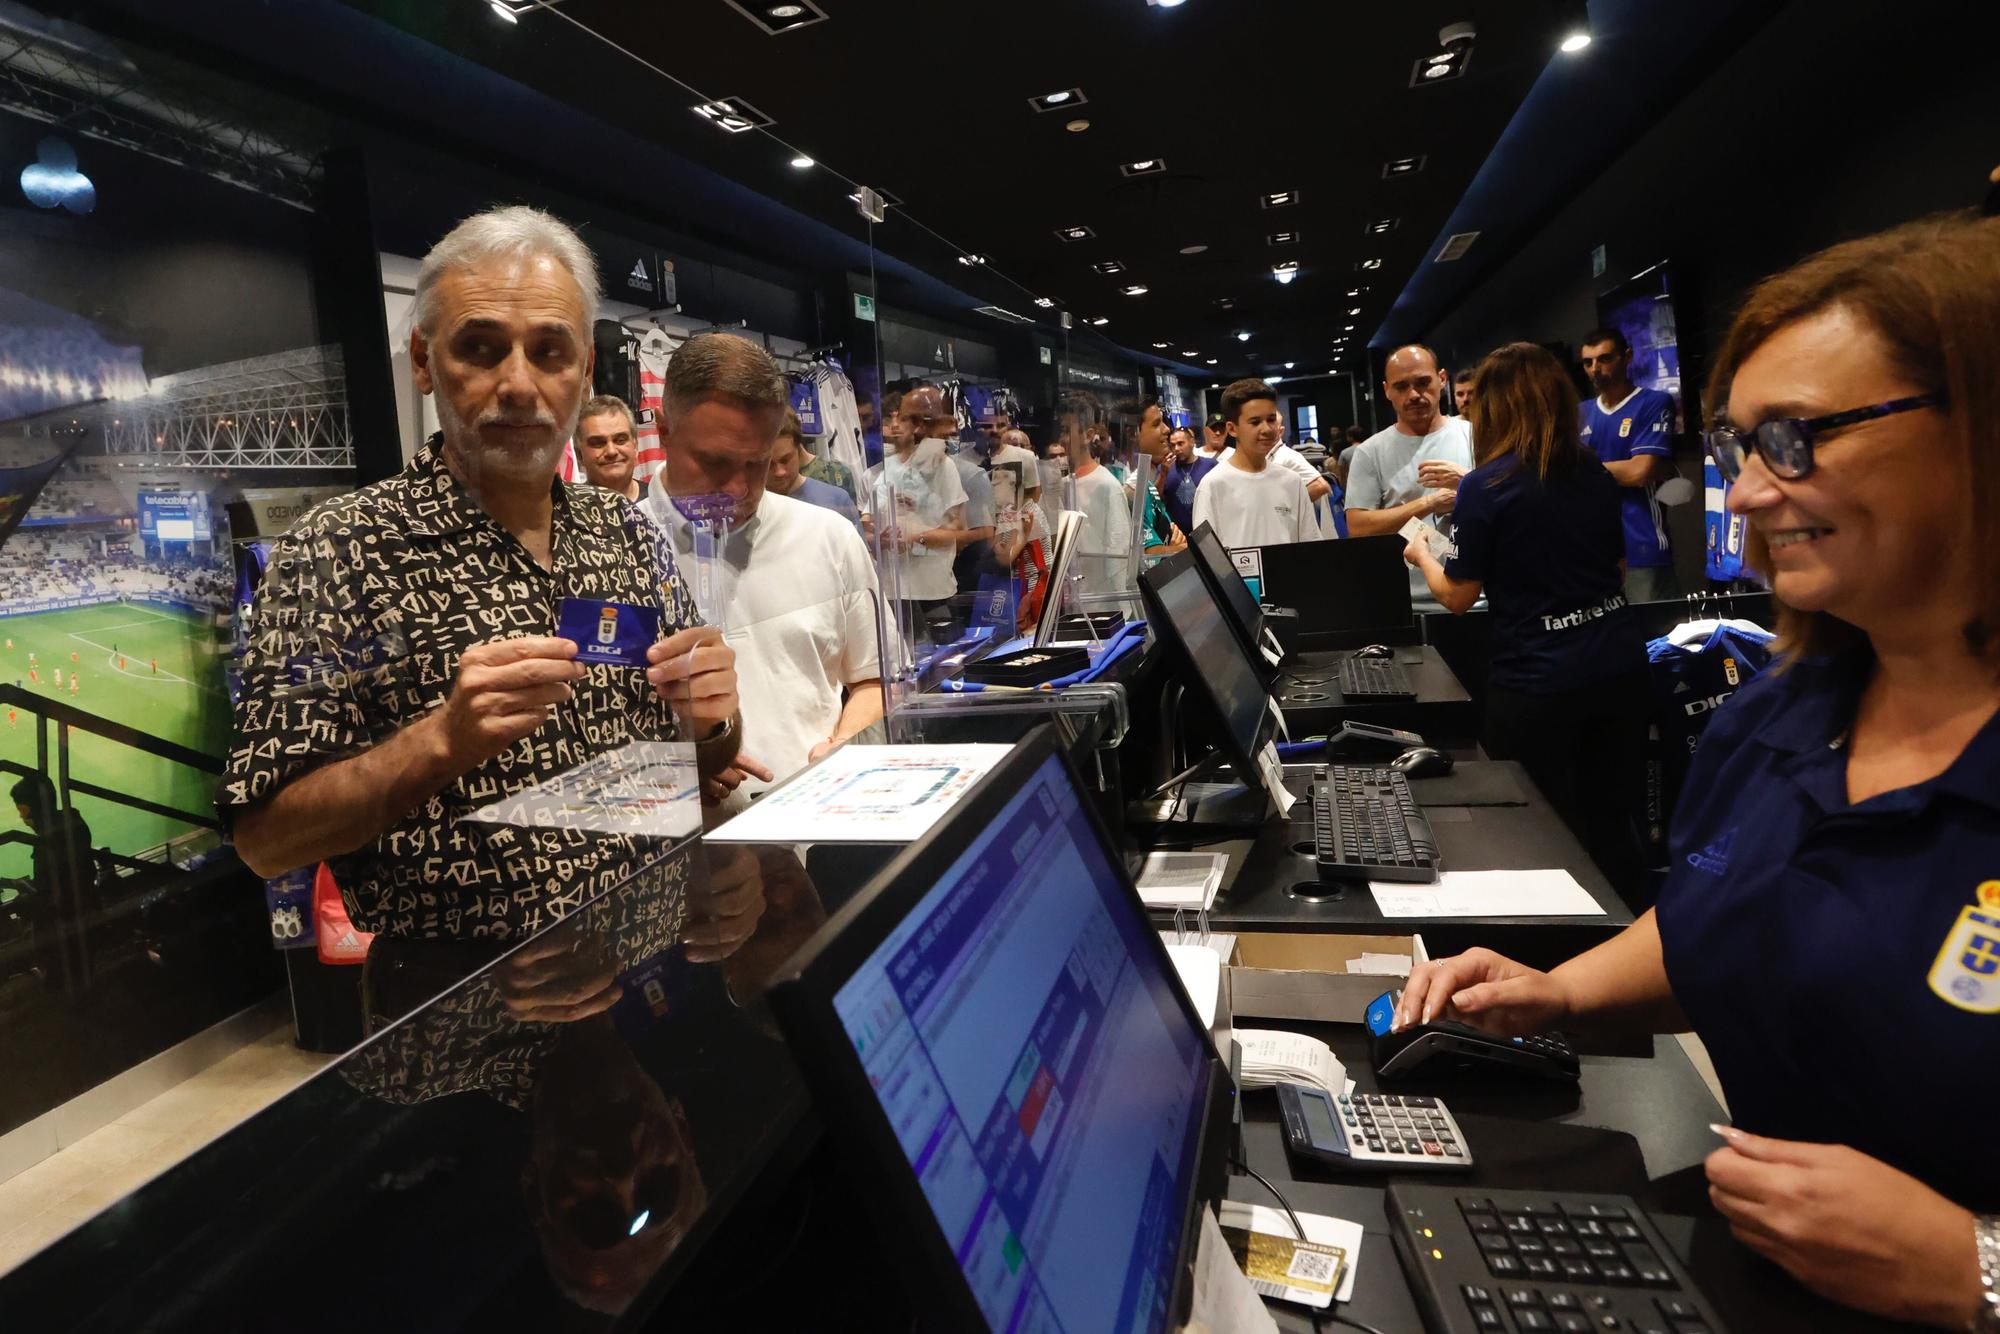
(146, 666)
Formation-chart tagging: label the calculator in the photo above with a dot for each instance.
(1371, 1132)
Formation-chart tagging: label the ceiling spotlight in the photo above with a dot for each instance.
(1282, 238)
(801, 162)
(1108, 266)
(1075, 233)
(1285, 272)
(1575, 41)
(1151, 166)
(1046, 303)
(1224, 302)
(1437, 71)
(1189, 352)
(1101, 320)
(1356, 291)
(1193, 249)
(1064, 98)
(732, 114)
(503, 11)
(1371, 263)
(973, 261)
(1274, 379)
(1290, 364)
(1347, 328)
(1441, 58)
(1381, 225)
(778, 17)
(1161, 346)
(1243, 335)
(1136, 289)
(1355, 311)
(1403, 166)
(1211, 361)
(1166, 4)
(1077, 126)
(1279, 199)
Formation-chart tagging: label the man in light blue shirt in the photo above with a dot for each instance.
(786, 458)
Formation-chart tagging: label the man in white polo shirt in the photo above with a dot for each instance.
(1410, 470)
(793, 583)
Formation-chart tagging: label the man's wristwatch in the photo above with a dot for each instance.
(1986, 1236)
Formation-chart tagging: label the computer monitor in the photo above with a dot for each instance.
(1347, 592)
(1185, 612)
(995, 1030)
(1246, 617)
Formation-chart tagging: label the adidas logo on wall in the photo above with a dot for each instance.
(639, 277)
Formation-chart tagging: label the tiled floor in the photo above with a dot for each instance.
(41, 1204)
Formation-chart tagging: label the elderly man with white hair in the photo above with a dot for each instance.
(404, 666)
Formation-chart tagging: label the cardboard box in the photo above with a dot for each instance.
(1284, 975)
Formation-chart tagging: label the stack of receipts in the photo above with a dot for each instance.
(1274, 1057)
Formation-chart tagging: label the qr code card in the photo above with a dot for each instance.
(1306, 1272)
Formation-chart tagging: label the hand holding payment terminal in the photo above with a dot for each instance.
(1445, 1048)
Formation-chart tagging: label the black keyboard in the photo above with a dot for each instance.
(1374, 678)
(1523, 1261)
(1367, 826)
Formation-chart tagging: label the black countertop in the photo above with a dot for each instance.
(479, 1163)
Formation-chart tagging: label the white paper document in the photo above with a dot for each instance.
(1318, 1227)
(1224, 1301)
(1274, 1056)
(1200, 970)
(1381, 965)
(1488, 894)
(1181, 879)
(647, 788)
(864, 794)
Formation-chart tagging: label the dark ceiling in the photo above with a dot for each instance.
(930, 101)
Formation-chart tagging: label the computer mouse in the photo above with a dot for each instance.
(1422, 762)
(1375, 651)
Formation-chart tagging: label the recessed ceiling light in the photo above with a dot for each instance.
(1403, 166)
(973, 261)
(1046, 303)
(1135, 289)
(1243, 335)
(1347, 328)
(1575, 41)
(1285, 272)
(1381, 225)
(1108, 266)
(1441, 58)
(1161, 345)
(1211, 361)
(1355, 311)
(1075, 233)
(503, 11)
(1224, 302)
(1063, 98)
(1279, 199)
(1193, 249)
(801, 162)
(1151, 166)
(1438, 71)
(1077, 126)
(1356, 291)
(1274, 379)
(1290, 364)
(732, 114)
(1371, 263)
(1166, 4)
(1101, 320)
(778, 17)
(1282, 238)
(1189, 352)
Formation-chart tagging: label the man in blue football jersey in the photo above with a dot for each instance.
(1631, 431)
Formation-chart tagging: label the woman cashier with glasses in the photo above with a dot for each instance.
(1830, 923)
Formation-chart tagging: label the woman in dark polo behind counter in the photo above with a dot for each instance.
(1539, 534)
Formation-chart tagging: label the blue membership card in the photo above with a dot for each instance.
(613, 632)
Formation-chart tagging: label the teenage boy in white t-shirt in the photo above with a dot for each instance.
(1248, 500)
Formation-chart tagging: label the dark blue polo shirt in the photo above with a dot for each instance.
(1548, 555)
(1178, 487)
(1842, 962)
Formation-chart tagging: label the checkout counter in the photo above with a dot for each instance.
(600, 1127)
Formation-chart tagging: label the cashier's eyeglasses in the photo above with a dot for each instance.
(1786, 443)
